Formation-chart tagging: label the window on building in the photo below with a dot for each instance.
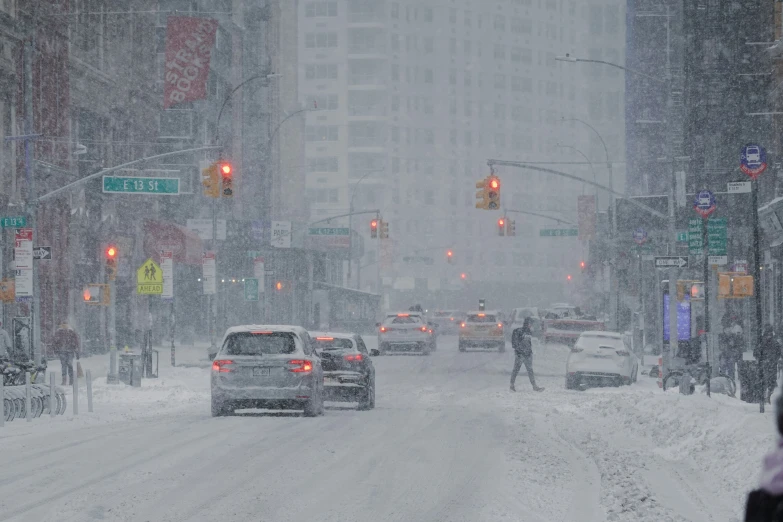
(365, 40)
(320, 40)
(365, 72)
(324, 102)
(452, 15)
(500, 52)
(468, 138)
(550, 31)
(395, 10)
(366, 134)
(596, 20)
(365, 163)
(428, 76)
(500, 23)
(468, 108)
(366, 103)
(467, 48)
(395, 104)
(395, 72)
(321, 71)
(428, 15)
(500, 81)
(453, 46)
(521, 55)
(321, 133)
(320, 9)
(500, 111)
(521, 25)
(453, 137)
(468, 16)
(395, 42)
(468, 78)
(322, 164)
(453, 107)
(429, 45)
(521, 84)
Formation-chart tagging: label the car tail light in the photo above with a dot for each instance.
(324, 338)
(623, 353)
(500, 325)
(300, 366)
(383, 329)
(220, 366)
(423, 328)
(576, 349)
(354, 357)
(462, 325)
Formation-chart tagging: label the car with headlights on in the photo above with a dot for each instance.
(267, 367)
(405, 332)
(349, 375)
(600, 358)
(482, 330)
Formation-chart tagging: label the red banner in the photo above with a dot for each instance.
(189, 43)
(586, 209)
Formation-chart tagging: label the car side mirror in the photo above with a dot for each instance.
(374, 352)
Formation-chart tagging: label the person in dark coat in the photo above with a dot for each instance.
(66, 346)
(522, 342)
(765, 504)
(768, 355)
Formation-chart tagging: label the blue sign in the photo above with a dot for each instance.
(640, 235)
(704, 203)
(753, 160)
(683, 318)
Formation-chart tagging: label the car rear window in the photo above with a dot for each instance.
(481, 318)
(443, 314)
(406, 319)
(330, 343)
(260, 343)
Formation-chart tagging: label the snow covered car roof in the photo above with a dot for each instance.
(598, 333)
(266, 327)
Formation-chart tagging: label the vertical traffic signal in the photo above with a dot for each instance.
(111, 262)
(227, 179)
(568, 277)
(384, 229)
(511, 227)
(463, 276)
(493, 192)
(582, 265)
(501, 227)
(211, 181)
(374, 228)
(449, 256)
(482, 196)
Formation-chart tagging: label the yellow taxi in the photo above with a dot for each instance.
(482, 330)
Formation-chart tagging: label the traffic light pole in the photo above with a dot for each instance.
(528, 213)
(211, 299)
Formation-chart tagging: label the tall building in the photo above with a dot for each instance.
(417, 96)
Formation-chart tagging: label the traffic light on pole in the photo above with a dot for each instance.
(582, 266)
(482, 196)
(111, 262)
(384, 226)
(493, 192)
(511, 227)
(449, 256)
(211, 181)
(374, 228)
(463, 276)
(227, 179)
(501, 227)
(568, 277)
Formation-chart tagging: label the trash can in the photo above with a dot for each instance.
(129, 370)
(749, 381)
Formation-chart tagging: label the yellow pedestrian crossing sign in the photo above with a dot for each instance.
(149, 278)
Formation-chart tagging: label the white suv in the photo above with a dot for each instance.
(602, 359)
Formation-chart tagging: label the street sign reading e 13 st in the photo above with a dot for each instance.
(126, 185)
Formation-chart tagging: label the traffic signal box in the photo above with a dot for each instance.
(694, 289)
(734, 285)
(374, 228)
(511, 227)
(111, 262)
(501, 227)
(449, 256)
(227, 179)
(384, 226)
(218, 180)
(488, 198)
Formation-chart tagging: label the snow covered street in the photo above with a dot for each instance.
(446, 442)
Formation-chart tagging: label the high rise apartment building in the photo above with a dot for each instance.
(418, 95)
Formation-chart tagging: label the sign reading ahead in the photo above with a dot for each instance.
(149, 278)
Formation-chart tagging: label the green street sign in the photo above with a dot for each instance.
(558, 232)
(682, 237)
(13, 222)
(126, 185)
(717, 236)
(327, 231)
(251, 289)
(695, 239)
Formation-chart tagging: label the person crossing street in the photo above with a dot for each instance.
(66, 346)
(522, 342)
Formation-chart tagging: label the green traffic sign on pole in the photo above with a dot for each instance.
(717, 236)
(558, 232)
(13, 222)
(251, 289)
(682, 236)
(695, 239)
(130, 185)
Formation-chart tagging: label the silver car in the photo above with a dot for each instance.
(405, 331)
(269, 367)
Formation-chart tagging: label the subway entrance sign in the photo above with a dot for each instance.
(134, 185)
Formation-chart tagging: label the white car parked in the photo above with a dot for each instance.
(601, 359)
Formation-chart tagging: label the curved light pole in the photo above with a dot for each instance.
(590, 163)
(231, 94)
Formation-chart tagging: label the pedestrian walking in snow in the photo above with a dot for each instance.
(766, 503)
(768, 355)
(522, 342)
(66, 346)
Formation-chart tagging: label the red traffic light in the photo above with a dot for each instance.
(494, 183)
(501, 222)
(111, 252)
(582, 265)
(374, 223)
(568, 277)
(464, 276)
(449, 253)
(225, 169)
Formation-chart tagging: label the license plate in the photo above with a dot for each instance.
(261, 372)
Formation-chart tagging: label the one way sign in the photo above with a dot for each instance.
(42, 252)
(671, 262)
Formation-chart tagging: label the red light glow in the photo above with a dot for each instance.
(220, 366)
(111, 252)
(353, 357)
(225, 169)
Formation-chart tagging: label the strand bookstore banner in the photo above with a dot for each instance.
(189, 43)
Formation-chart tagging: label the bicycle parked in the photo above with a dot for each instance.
(698, 373)
(14, 399)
